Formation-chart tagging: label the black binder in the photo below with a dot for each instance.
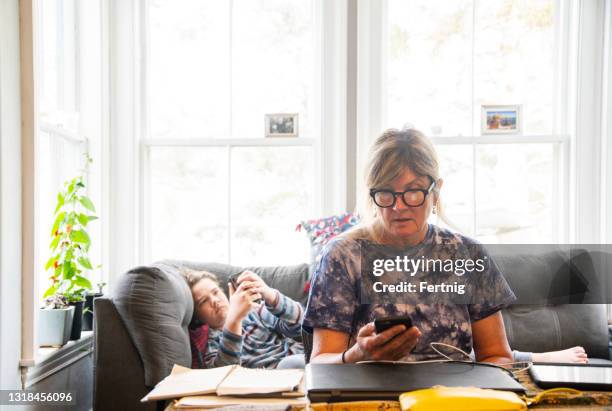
(386, 381)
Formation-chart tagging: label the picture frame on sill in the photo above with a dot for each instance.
(281, 125)
(501, 119)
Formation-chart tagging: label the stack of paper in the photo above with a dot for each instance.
(230, 380)
(213, 401)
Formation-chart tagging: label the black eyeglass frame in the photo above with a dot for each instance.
(426, 192)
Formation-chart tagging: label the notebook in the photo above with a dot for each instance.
(386, 381)
(597, 377)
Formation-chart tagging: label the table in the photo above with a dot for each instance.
(603, 399)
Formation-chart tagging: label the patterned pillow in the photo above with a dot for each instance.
(322, 230)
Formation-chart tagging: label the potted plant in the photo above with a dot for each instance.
(55, 321)
(69, 261)
(88, 311)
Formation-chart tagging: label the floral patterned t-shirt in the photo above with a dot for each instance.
(334, 300)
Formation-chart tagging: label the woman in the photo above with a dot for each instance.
(403, 184)
(241, 331)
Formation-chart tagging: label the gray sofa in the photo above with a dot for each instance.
(141, 330)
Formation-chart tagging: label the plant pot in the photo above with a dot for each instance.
(77, 322)
(88, 318)
(54, 326)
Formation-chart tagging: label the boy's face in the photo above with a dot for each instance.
(210, 302)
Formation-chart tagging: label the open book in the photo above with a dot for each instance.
(228, 380)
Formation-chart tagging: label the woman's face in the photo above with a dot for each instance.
(211, 304)
(406, 225)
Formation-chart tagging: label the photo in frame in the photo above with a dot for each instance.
(503, 119)
(281, 125)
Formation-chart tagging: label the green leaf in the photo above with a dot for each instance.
(55, 242)
(84, 261)
(58, 221)
(83, 219)
(50, 262)
(60, 202)
(68, 271)
(50, 291)
(87, 203)
(80, 236)
(82, 282)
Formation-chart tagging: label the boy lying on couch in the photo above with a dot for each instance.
(241, 331)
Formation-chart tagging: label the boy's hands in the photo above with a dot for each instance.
(268, 294)
(240, 303)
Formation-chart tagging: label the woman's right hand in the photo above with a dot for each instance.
(391, 344)
(241, 301)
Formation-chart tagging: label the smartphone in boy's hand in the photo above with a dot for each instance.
(234, 281)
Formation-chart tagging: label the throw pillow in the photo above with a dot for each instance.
(321, 231)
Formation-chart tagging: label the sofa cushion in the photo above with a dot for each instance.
(557, 327)
(289, 280)
(554, 276)
(544, 283)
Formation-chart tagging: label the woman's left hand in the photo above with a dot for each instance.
(268, 294)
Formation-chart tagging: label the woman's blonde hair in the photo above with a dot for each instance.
(194, 276)
(390, 156)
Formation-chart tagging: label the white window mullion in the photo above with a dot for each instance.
(229, 203)
(145, 194)
(606, 152)
(587, 214)
(474, 189)
(59, 46)
(124, 149)
(230, 57)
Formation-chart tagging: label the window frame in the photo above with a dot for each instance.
(372, 82)
(33, 273)
(330, 141)
(227, 143)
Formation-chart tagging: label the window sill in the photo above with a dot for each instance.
(52, 360)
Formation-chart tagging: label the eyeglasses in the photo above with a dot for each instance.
(412, 197)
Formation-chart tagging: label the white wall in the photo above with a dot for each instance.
(10, 196)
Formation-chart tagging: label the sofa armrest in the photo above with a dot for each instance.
(118, 369)
(610, 342)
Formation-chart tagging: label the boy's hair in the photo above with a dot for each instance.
(194, 276)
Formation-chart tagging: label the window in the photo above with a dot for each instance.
(215, 188)
(68, 81)
(500, 189)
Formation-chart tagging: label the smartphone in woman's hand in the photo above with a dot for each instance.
(382, 324)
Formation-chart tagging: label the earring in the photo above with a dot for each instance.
(435, 209)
